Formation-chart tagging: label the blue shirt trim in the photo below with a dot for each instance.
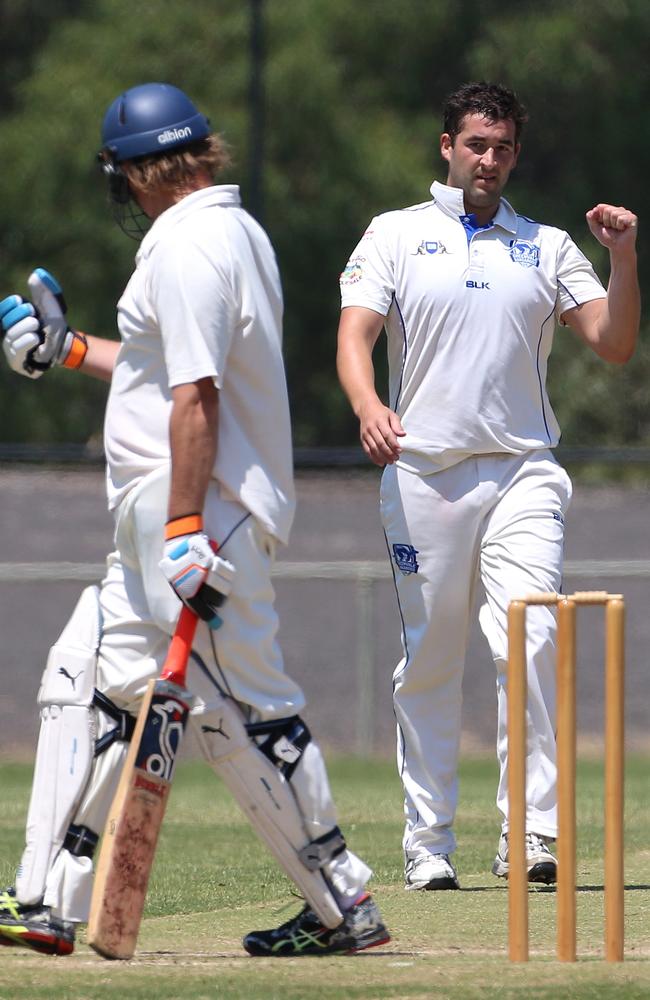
(471, 226)
(539, 375)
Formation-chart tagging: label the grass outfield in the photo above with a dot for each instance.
(212, 882)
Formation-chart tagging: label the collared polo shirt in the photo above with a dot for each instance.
(205, 301)
(470, 318)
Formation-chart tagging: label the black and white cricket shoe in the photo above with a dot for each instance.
(33, 927)
(541, 864)
(430, 872)
(304, 934)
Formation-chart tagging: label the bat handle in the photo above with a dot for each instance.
(175, 664)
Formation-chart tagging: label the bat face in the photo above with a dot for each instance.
(136, 814)
(133, 825)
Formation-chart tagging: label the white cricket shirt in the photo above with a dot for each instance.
(470, 317)
(205, 301)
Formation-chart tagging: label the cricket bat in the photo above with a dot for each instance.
(136, 814)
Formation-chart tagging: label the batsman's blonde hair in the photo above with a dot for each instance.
(178, 166)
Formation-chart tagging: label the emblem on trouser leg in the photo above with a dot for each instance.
(405, 557)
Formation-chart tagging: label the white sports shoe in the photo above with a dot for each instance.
(431, 871)
(542, 866)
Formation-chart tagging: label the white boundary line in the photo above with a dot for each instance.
(343, 569)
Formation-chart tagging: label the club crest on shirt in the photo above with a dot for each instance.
(429, 247)
(404, 556)
(353, 271)
(525, 253)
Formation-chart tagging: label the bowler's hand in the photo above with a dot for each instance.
(380, 430)
(613, 226)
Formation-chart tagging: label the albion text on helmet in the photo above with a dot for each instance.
(174, 134)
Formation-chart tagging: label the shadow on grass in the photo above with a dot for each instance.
(551, 888)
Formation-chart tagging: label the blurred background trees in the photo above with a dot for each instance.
(348, 127)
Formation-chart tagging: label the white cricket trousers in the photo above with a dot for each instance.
(140, 611)
(498, 519)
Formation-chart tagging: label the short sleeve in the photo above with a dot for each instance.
(368, 277)
(577, 280)
(191, 295)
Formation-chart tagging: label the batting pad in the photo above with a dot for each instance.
(266, 798)
(64, 755)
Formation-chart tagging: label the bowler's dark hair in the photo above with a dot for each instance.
(492, 100)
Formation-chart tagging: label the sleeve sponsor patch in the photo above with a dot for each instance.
(353, 271)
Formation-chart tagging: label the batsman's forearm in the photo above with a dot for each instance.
(193, 433)
(99, 360)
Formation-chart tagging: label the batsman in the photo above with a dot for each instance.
(200, 483)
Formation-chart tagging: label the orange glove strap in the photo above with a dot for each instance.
(77, 351)
(186, 525)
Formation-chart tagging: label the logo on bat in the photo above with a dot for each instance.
(162, 736)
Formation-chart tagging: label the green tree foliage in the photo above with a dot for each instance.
(352, 109)
(24, 28)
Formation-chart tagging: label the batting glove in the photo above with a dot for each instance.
(200, 577)
(36, 334)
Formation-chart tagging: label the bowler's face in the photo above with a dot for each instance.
(480, 161)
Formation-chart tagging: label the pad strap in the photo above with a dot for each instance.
(125, 723)
(322, 850)
(285, 743)
(80, 841)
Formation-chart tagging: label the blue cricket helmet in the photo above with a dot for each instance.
(149, 119)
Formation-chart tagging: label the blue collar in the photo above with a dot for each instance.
(450, 200)
(471, 226)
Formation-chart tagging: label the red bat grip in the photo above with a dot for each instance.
(175, 665)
